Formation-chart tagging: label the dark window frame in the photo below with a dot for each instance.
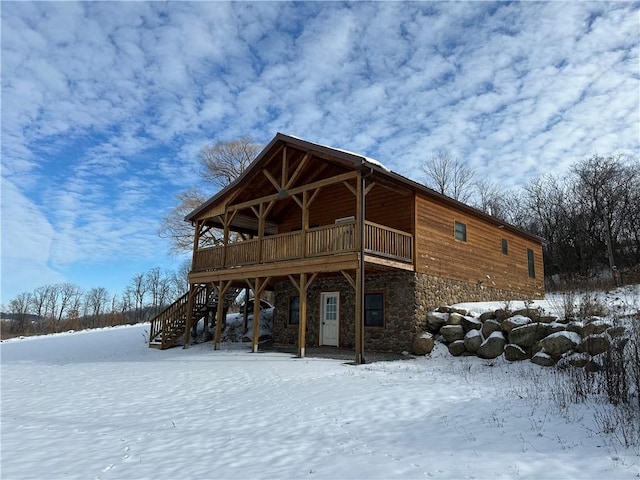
(382, 309)
(531, 264)
(290, 319)
(460, 231)
(505, 246)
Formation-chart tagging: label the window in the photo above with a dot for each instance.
(294, 310)
(505, 246)
(461, 231)
(374, 310)
(531, 263)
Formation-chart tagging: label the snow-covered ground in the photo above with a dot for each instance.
(101, 405)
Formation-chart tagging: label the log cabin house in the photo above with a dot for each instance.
(354, 253)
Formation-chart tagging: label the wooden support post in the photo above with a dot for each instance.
(302, 324)
(196, 242)
(222, 289)
(245, 312)
(256, 317)
(258, 288)
(359, 300)
(187, 332)
(305, 223)
(302, 288)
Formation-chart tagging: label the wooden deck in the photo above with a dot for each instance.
(323, 241)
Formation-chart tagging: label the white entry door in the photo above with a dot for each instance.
(329, 318)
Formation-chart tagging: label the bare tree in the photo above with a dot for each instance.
(52, 305)
(69, 297)
(490, 198)
(96, 301)
(39, 301)
(160, 288)
(180, 279)
(138, 292)
(173, 225)
(602, 186)
(448, 176)
(221, 163)
(19, 308)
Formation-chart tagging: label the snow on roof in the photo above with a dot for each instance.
(372, 161)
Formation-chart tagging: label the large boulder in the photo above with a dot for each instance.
(457, 348)
(502, 314)
(595, 344)
(451, 333)
(493, 346)
(471, 323)
(532, 313)
(422, 344)
(490, 326)
(514, 353)
(473, 340)
(578, 360)
(548, 318)
(514, 322)
(616, 331)
(543, 359)
(455, 319)
(487, 315)
(527, 336)
(556, 327)
(575, 326)
(595, 326)
(435, 320)
(559, 343)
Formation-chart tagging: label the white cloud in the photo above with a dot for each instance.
(26, 244)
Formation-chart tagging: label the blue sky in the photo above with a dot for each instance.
(105, 105)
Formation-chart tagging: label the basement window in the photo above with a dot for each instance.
(374, 310)
(294, 310)
(531, 264)
(461, 231)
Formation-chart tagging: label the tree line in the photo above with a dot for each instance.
(66, 306)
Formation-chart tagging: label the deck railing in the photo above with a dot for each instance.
(387, 241)
(318, 241)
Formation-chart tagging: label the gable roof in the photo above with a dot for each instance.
(351, 161)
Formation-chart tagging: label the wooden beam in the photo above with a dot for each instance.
(294, 191)
(187, 333)
(258, 287)
(359, 309)
(369, 187)
(351, 188)
(222, 290)
(285, 166)
(297, 200)
(273, 181)
(302, 287)
(313, 196)
(298, 171)
(305, 223)
(349, 278)
(331, 263)
(359, 300)
(302, 324)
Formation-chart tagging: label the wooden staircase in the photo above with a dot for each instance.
(170, 325)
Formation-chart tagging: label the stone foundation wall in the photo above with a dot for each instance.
(408, 296)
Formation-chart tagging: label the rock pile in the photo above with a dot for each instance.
(520, 335)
